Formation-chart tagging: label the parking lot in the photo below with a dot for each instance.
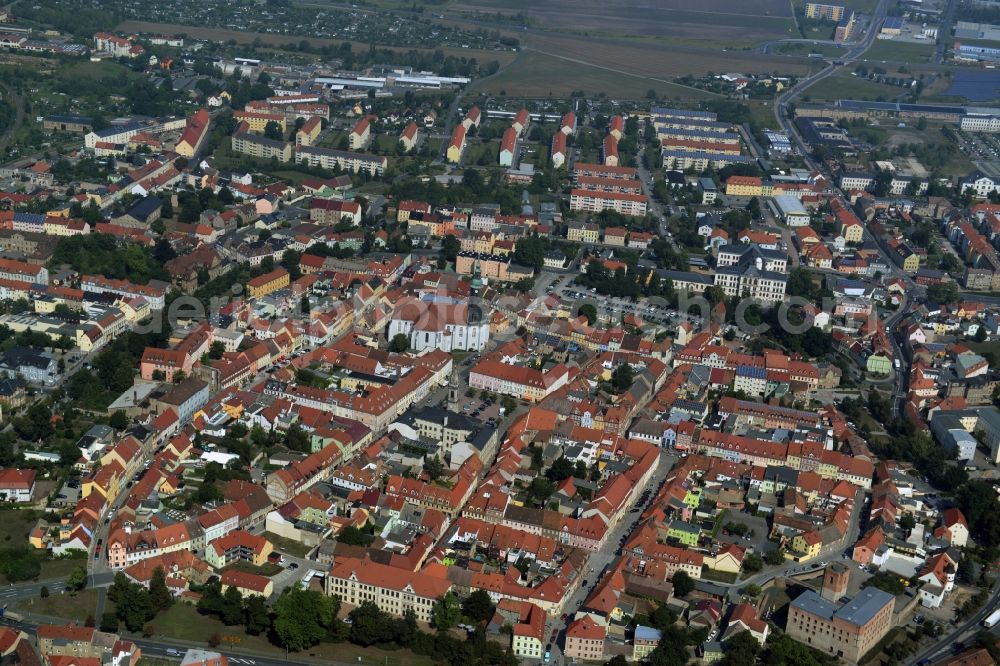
(613, 309)
(983, 148)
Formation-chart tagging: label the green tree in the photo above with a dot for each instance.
(433, 467)
(450, 247)
(134, 607)
(622, 377)
(774, 557)
(740, 650)
(109, 622)
(118, 420)
(231, 610)
(216, 349)
(683, 584)
(302, 617)
(273, 131)
(399, 343)
(353, 536)
(447, 612)
(159, 595)
(753, 563)
(478, 607)
(255, 615)
(77, 579)
(561, 469)
(590, 312)
(369, 625)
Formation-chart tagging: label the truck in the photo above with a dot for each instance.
(992, 619)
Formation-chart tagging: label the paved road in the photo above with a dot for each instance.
(14, 593)
(598, 561)
(784, 100)
(831, 551)
(943, 645)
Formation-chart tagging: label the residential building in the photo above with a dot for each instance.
(361, 134)
(585, 640)
(393, 590)
(261, 147)
(17, 485)
(620, 202)
(341, 160)
(194, 135)
(265, 284)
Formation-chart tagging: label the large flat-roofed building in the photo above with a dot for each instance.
(984, 31)
(820, 12)
(847, 631)
(339, 159)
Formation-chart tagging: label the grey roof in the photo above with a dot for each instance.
(858, 611)
(862, 608)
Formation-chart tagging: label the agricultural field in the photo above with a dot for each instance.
(221, 35)
(543, 75)
(663, 61)
(679, 19)
(896, 51)
(845, 86)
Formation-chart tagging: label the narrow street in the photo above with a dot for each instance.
(598, 561)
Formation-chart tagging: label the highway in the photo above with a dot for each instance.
(785, 99)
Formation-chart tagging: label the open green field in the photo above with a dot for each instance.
(240, 37)
(267, 569)
(69, 606)
(284, 545)
(896, 51)
(984, 347)
(803, 49)
(183, 622)
(542, 75)
(690, 19)
(845, 86)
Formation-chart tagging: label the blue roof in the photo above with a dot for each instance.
(118, 129)
(700, 154)
(893, 22)
(644, 633)
(32, 218)
(685, 113)
(751, 371)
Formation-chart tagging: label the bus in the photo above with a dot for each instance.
(992, 619)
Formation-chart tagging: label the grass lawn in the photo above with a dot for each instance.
(287, 545)
(719, 576)
(385, 144)
(481, 154)
(15, 525)
(59, 567)
(890, 49)
(983, 347)
(334, 139)
(845, 86)
(70, 606)
(266, 569)
(542, 75)
(182, 621)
